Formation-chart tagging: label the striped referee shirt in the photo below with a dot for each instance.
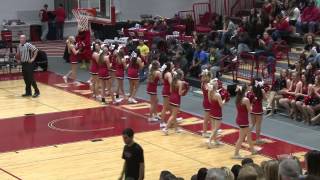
(24, 50)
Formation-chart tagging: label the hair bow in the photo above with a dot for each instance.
(163, 67)
(174, 73)
(258, 83)
(134, 54)
(204, 72)
(239, 88)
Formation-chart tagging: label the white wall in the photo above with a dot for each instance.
(132, 9)
(9, 8)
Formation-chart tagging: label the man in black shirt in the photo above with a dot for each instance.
(133, 168)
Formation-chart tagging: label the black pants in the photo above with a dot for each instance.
(59, 26)
(27, 72)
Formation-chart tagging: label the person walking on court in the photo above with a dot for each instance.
(43, 15)
(27, 53)
(133, 167)
(60, 18)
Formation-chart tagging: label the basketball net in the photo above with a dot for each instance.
(82, 17)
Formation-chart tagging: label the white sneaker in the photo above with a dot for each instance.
(165, 131)
(163, 125)
(152, 119)
(219, 131)
(206, 135)
(179, 119)
(134, 101)
(65, 79)
(179, 130)
(119, 100)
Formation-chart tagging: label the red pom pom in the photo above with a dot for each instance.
(250, 96)
(225, 95)
(186, 88)
(307, 100)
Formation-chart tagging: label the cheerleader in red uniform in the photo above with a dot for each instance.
(103, 74)
(74, 60)
(94, 68)
(120, 65)
(257, 111)
(154, 76)
(167, 79)
(177, 90)
(243, 109)
(306, 91)
(288, 100)
(112, 58)
(205, 79)
(313, 105)
(215, 106)
(133, 75)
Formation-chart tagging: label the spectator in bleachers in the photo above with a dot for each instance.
(270, 169)
(248, 173)
(228, 30)
(309, 18)
(265, 44)
(293, 12)
(246, 161)
(200, 61)
(312, 161)
(278, 88)
(289, 169)
(309, 39)
(215, 174)
(215, 61)
(189, 22)
(235, 170)
(201, 175)
(229, 174)
(281, 27)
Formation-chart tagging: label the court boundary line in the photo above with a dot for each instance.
(10, 174)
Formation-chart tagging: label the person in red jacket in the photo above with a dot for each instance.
(310, 18)
(60, 18)
(281, 27)
(43, 15)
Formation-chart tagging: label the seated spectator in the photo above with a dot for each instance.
(235, 170)
(265, 49)
(312, 161)
(200, 61)
(278, 89)
(246, 161)
(201, 175)
(311, 50)
(167, 175)
(215, 174)
(270, 169)
(248, 173)
(293, 12)
(215, 61)
(228, 30)
(281, 27)
(229, 174)
(309, 18)
(289, 169)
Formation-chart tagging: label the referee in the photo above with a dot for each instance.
(28, 53)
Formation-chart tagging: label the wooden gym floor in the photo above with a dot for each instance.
(64, 134)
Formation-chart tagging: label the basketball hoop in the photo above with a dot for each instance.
(83, 16)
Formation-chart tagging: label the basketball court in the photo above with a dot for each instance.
(65, 134)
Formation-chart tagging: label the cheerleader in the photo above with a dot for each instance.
(177, 90)
(133, 75)
(205, 79)
(257, 111)
(288, 100)
(167, 79)
(74, 60)
(103, 74)
(300, 97)
(314, 103)
(215, 106)
(154, 76)
(94, 68)
(243, 109)
(120, 65)
(112, 60)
